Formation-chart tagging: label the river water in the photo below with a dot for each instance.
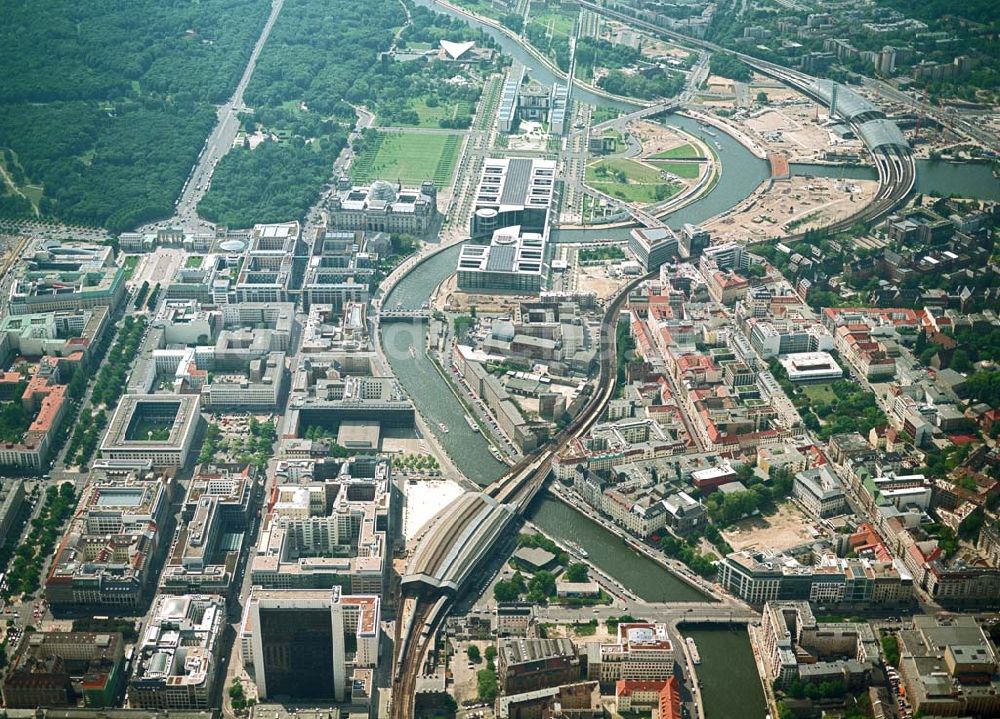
(420, 378)
(730, 684)
(432, 395)
(646, 578)
(972, 180)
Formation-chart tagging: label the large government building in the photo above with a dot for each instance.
(509, 228)
(383, 207)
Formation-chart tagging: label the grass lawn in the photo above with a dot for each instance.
(628, 180)
(483, 7)
(585, 630)
(194, 261)
(409, 157)
(429, 116)
(602, 114)
(130, 264)
(561, 23)
(683, 152)
(687, 170)
(819, 392)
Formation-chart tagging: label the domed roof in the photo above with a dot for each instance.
(382, 190)
(232, 245)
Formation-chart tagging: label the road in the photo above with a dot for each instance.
(218, 143)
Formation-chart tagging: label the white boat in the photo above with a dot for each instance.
(443, 427)
(496, 454)
(412, 351)
(577, 549)
(472, 423)
(718, 145)
(693, 649)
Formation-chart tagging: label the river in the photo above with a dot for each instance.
(730, 684)
(972, 180)
(741, 173)
(649, 581)
(420, 378)
(435, 400)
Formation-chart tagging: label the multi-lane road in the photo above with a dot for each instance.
(219, 142)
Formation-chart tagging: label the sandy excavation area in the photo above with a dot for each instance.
(787, 207)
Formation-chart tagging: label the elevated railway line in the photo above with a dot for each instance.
(465, 531)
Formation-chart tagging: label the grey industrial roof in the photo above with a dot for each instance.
(501, 258)
(516, 183)
(461, 533)
(882, 133)
(849, 103)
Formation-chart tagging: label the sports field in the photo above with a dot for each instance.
(409, 157)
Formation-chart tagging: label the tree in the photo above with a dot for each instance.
(576, 572)
(762, 98)
(508, 590)
(541, 587)
(491, 653)
(890, 649)
(473, 652)
(486, 683)
(960, 361)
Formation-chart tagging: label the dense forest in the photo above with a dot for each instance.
(321, 59)
(660, 84)
(105, 105)
(316, 53)
(728, 66)
(115, 167)
(103, 49)
(272, 183)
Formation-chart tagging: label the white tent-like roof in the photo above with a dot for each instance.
(455, 50)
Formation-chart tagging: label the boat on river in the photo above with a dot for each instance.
(472, 423)
(693, 649)
(576, 548)
(443, 427)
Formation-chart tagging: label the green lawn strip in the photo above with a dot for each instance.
(559, 22)
(409, 157)
(687, 170)
(819, 392)
(634, 171)
(642, 183)
(639, 194)
(686, 151)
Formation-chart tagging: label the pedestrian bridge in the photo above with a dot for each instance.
(404, 316)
